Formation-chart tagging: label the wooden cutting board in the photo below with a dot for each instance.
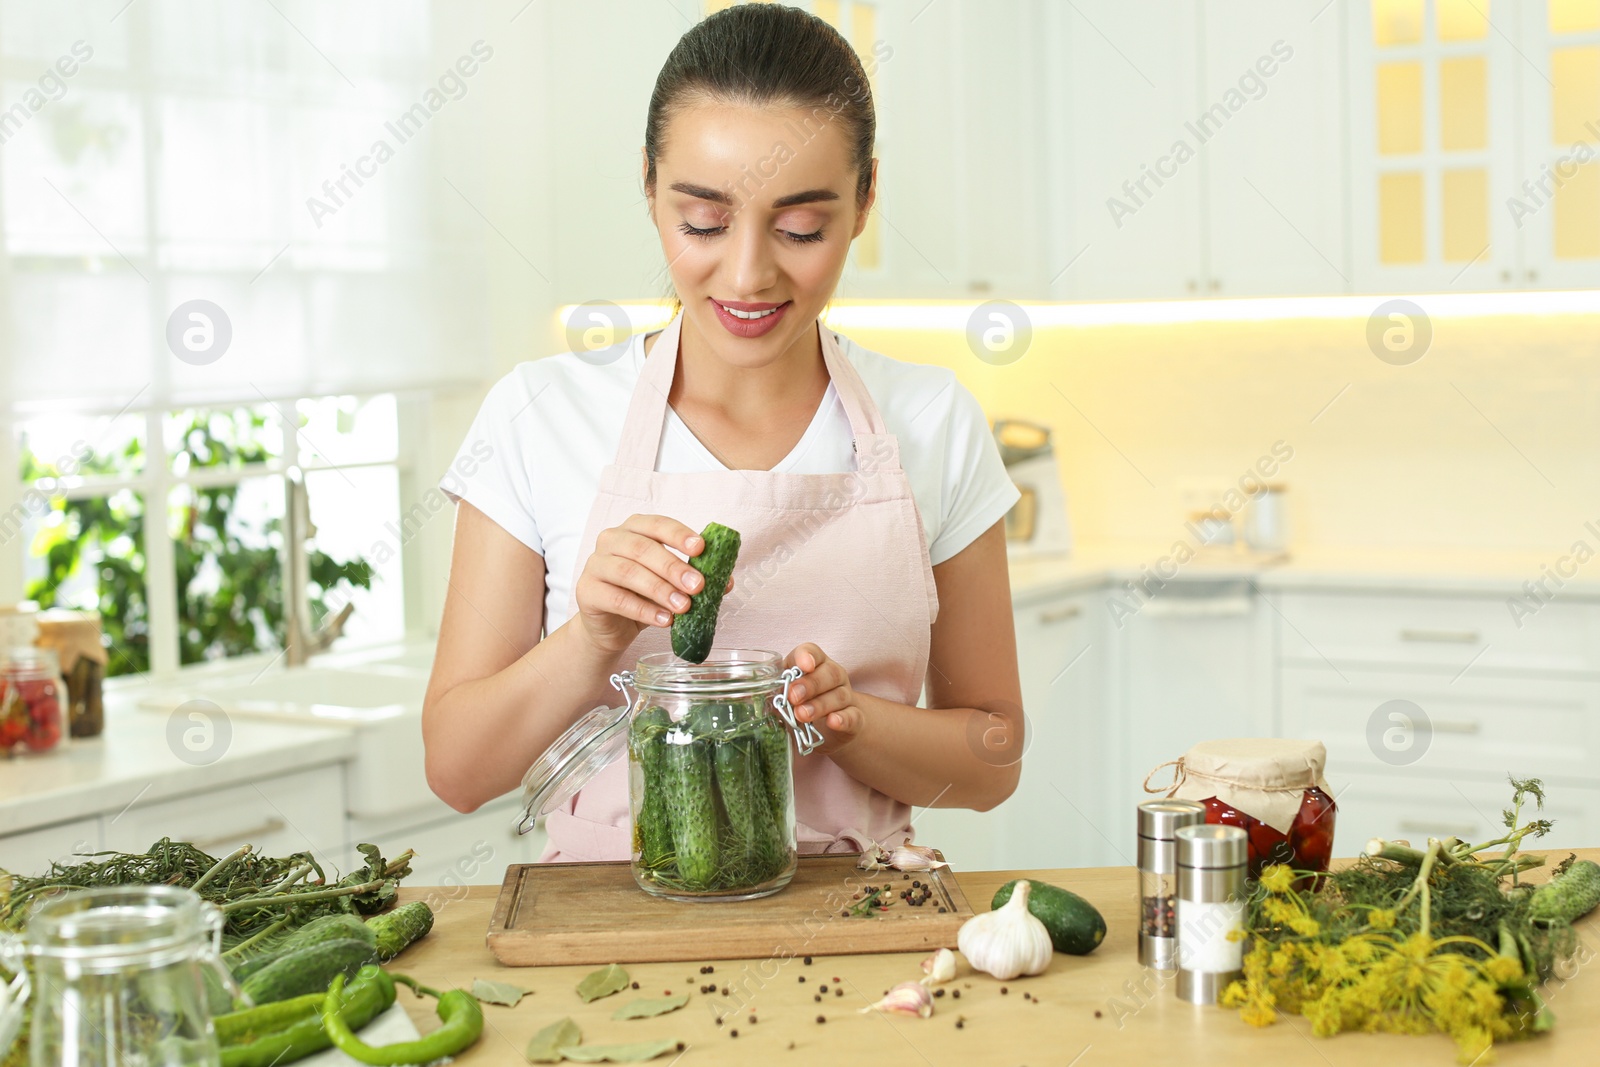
(560, 913)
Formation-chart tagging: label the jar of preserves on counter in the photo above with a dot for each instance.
(32, 701)
(1271, 788)
(710, 772)
(75, 638)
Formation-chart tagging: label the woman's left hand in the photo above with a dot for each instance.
(823, 695)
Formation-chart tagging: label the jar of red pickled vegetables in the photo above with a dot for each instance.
(1271, 788)
(32, 708)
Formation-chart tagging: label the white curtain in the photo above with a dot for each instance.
(306, 166)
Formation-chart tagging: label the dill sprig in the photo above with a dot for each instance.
(1406, 940)
(254, 892)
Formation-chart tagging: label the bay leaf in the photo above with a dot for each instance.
(602, 983)
(646, 1007)
(547, 1044)
(637, 1052)
(502, 993)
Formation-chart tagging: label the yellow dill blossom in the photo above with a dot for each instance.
(1503, 969)
(1381, 919)
(1277, 878)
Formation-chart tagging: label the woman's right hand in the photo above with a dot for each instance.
(631, 580)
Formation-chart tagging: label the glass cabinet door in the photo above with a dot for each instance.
(1555, 203)
(1434, 99)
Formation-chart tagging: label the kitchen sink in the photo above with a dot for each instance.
(307, 693)
(380, 702)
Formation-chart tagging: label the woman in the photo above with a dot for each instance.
(868, 492)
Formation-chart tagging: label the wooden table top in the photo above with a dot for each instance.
(1097, 1009)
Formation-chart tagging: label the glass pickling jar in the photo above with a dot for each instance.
(116, 976)
(710, 772)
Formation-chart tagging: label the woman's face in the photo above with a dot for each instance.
(756, 208)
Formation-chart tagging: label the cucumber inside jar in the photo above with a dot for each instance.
(714, 810)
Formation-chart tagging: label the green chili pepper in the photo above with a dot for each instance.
(460, 1016)
(241, 1027)
(369, 996)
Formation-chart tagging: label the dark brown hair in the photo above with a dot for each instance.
(767, 54)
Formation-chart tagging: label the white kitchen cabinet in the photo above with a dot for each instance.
(1054, 817)
(1427, 702)
(33, 851)
(1436, 113)
(1193, 664)
(1272, 100)
(962, 181)
(1553, 201)
(1376, 804)
(1202, 149)
(1468, 635)
(280, 815)
(1481, 725)
(1129, 201)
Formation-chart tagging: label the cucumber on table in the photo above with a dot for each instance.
(1568, 896)
(308, 970)
(340, 927)
(695, 629)
(1076, 928)
(399, 927)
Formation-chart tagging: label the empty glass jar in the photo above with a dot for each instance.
(115, 976)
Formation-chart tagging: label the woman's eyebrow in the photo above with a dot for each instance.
(719, 196)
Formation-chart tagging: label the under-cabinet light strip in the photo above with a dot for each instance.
(953, 314)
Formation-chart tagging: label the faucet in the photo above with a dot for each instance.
(301, 644)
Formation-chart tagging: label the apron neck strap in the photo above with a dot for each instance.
(647, 409)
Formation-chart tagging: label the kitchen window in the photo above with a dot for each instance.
(201, 576)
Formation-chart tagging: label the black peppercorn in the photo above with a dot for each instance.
(838, 992)
(1004, 991)
(822, 989)
(802, 978)
(733, 1033)
(938, 992)
(960, 1025)
(808, 961)
(822, 1018)
(955, 993)
(752, 1018)
(636, 985)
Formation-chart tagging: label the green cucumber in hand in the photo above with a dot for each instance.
(695, 629)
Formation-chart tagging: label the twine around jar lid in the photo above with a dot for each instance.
(1264, 777)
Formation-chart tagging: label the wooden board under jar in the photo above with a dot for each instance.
(563, 913)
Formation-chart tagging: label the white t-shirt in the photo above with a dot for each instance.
(532, 460)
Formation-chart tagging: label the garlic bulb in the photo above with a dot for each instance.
(939, 967)
(1007, 942)
(907, 998)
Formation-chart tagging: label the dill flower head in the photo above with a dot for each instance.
(1381, 919)
(1277, 878)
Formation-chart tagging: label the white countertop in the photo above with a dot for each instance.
(132, 761)
(1443, 572)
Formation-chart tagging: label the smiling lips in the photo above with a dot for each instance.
(745, 319)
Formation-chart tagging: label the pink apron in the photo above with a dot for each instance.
(840, 560)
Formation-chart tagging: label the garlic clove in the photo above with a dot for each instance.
(1008, 942)
(939, 967)
(915, 858)
(907, 998)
